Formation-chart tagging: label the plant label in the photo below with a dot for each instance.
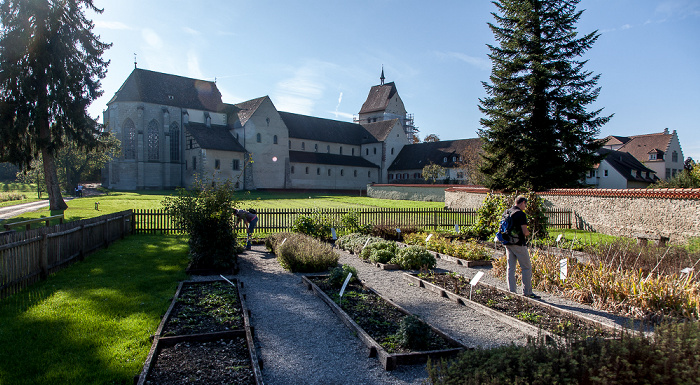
(333, 234)
(687, 270)
(476, 278)
(220, 275)
(345, 284)
(560, 237)
(456, 228)
(428, 238)
(398, 230)
(495, 239)
(366, 242)
(283, 241)
(563, 269)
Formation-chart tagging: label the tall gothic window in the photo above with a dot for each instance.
(129, 131)
(174, 142)
(153, 140)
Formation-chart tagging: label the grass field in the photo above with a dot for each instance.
(90, 323)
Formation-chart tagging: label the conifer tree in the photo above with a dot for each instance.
(537, 133)
(50, 71)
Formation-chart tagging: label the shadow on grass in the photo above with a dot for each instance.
(91, 323)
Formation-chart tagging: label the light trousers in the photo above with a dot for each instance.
(519, 254)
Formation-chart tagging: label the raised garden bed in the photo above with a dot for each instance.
(461, 261)
(376, 321)
(532, 316)
(205, 337)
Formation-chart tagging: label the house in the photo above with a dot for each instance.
(660, 152)
(449, 154)
(620, 170)
(174, 129)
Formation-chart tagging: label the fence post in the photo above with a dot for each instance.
(83, 242)
(105, 233)
(44, 256)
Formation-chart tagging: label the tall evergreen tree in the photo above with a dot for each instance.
(50, 71)
(537, 133)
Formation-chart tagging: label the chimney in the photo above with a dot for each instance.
(666, 131)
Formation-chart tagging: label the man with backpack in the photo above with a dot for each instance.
(516, 246)
(250, 219)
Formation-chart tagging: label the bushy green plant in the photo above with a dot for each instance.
(382, 256)
(354, 242)
(302, 253)
(469, 250)
(351, 223)
(316, 225)
(414, 257)
(337, 275)
(206, 213)
(413, 333)
(369, 252)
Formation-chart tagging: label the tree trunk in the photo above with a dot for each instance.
(53, 188)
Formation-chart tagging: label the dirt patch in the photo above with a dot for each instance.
(516, 306)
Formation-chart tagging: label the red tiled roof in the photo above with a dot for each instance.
(641, 145)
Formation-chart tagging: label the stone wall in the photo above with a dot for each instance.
(674, 213)
(411, 192)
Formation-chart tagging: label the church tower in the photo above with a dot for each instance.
(384, 103)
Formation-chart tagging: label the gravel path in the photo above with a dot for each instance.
(301, 341)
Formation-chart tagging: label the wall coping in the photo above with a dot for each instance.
(659, 193)
(446, 186)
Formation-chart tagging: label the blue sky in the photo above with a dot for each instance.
(320, 57)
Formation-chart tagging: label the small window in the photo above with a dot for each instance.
(318, 170)
(444, 160)
(341, 150)
(307, 170)
(354, 173)
(290, 144)
(236, 164)
(375, 151)
(316, 147)
(369, 174)
(353, 152)
(194, 162)
(674, 157)
(329, 172)
(258, 138)
(605, 173)
(303, 146)
(391, 176)
(652, 156)
(392, 151)
(342, 172)
(328, 149)
(217, 164)
(274, 139)
(292, 170)
(454, 158)
(591, 174)
(366, 151)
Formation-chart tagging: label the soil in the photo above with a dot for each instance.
(217, 362)
(204, 308)
(518, 307)
(380, 319)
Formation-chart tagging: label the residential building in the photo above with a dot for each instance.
(620, 170)
(660, 152)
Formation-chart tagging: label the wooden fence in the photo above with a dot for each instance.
(276, 220)
(26, 257)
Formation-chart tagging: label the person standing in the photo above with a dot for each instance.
(517, 252)
(250, 219)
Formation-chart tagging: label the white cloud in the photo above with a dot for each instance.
(152, 39)
(191, 31)
(193, 69)
(480, 63)
(303, 89)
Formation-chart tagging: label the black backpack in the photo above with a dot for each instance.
(252, 211)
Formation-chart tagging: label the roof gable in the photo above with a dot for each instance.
(418, 155)
(641, 145)
(382, 129)
(170, 90)
(325, 130)
(248, 108)
(214, 137)
(625, 163)
(378, 98)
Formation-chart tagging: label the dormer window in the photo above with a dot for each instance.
(444, 160)
(652, 156)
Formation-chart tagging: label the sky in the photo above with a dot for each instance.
(321, 57)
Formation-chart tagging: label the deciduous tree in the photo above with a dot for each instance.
(537, 132)
(50, 71)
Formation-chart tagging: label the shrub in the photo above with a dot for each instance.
(414, 257)
(381, 256)
(356, 241)
(369, 252)
(470, 250)
(351, 223)
(413, 333)
(206, 213)
(302, 253)
(315, 225)
(666, 358)
(337, 275)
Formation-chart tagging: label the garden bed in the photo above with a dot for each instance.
(376, 321)
(532, 316)
(205, 337)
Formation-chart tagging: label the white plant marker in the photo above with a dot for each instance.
(366, 242)
(283, 241)
(560, 237)
(398, 230)
(563, 269)
(227, 280)
(333, 234)
(474, 281)
(345, 284)
(687, 270)
(456, 228)
(428, 238)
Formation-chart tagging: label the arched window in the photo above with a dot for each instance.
(392, 151)
(307, 170)
(258, 138)
(318, 170)
(274, 139)
(129, 145)
(153, 139)
(366, 151)
(174, 142)
(375, 151)
(342, 172)
(329, 172)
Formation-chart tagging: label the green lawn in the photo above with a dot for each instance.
(91, 323)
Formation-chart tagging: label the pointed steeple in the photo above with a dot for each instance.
(381, 78)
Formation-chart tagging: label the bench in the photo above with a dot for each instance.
(644, 238)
